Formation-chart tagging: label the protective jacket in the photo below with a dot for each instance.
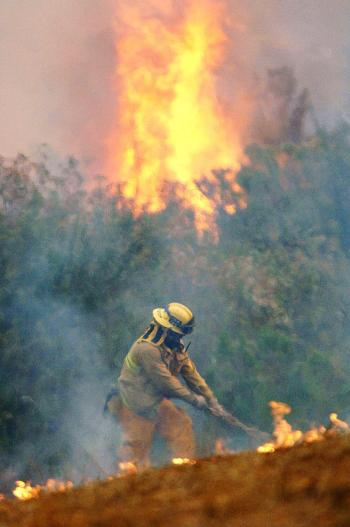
(150, 373)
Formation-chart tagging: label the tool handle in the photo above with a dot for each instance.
(230, 419)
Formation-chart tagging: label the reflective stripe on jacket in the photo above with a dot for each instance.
(149, 374)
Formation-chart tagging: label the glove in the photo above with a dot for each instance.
(200, 402)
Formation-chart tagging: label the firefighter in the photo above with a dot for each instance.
(142, 401)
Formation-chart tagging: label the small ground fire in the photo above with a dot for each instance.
(284, 437)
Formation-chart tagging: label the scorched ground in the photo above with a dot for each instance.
(307, 485)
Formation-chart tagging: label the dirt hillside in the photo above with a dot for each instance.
(308, 485)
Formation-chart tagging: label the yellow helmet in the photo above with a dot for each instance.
(174, 316)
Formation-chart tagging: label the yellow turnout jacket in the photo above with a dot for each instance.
(150, 373)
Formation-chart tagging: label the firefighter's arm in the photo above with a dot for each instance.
(195, 381)
(163, 380)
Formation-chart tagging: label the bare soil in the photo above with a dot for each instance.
(304, 486)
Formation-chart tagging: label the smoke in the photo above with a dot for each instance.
(61, 395)
(311, 37)
(58, 61)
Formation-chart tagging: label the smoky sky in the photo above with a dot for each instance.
(58, 61)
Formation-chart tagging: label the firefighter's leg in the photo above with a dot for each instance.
(136, 434)
(175, 426)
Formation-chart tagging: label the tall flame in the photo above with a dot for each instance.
(171, 127)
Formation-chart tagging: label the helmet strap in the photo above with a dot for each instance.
(155, 334)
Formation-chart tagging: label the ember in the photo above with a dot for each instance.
(183, 461)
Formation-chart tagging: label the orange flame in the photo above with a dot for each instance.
(171, 128)
(25, 491)
(183, 461)
(127, 467)
(285, 436)
(338, 423)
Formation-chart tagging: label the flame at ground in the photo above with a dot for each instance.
(285, 436)
(338, 423)
(127, 467)
(25, 491)
(171, 129)
(183, 461)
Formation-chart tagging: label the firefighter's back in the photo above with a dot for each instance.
(136, 388)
